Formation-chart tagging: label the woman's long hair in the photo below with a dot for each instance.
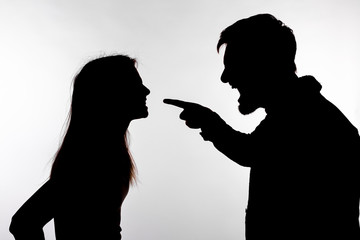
(91, 130)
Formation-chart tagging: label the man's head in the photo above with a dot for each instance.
(259, 55)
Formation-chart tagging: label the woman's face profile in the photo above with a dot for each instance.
(116, 94)
(133, 96)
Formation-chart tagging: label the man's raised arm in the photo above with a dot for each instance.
(235, 145)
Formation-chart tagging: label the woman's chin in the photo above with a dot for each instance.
(146, 114)
(142, 114)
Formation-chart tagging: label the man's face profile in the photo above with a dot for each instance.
(242, 73)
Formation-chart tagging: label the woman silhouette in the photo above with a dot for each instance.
(93, 168)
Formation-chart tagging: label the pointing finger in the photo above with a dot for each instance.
(179, 103)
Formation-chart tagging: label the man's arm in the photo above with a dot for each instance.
(235, 145)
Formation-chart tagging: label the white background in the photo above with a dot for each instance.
(187, 190)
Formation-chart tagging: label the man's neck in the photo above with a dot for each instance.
(280, 94)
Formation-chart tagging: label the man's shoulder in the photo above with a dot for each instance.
(320, 112)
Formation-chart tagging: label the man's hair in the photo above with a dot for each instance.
(264, 36)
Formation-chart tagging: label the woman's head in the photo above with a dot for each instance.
(108, 93)
(109, 90)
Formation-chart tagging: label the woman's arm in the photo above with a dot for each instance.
(28, 222)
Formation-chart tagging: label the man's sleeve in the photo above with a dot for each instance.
(240, 147)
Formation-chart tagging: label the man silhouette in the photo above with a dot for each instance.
(304, 156)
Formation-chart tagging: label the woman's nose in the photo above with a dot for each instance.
(147, 91)
(224, 77)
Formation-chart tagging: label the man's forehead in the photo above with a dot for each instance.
(235, 53)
